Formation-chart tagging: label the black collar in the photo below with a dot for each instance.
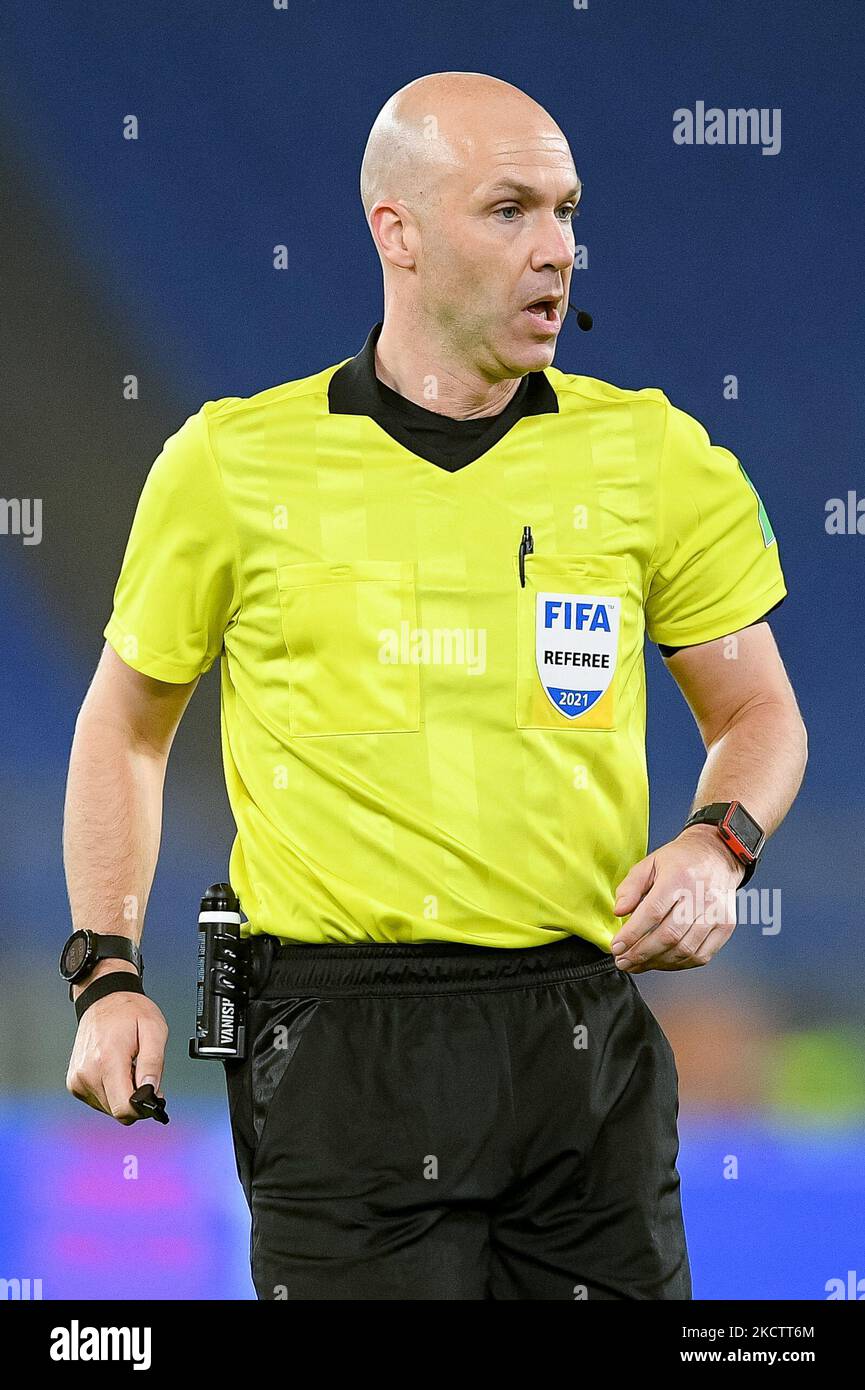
(354, 389)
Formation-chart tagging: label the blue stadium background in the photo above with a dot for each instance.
(153, 257)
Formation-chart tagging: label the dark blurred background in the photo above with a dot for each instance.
(152, 258)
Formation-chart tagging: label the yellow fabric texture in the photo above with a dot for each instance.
(397, 769)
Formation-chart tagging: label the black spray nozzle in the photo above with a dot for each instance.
(149, 1105)
(220, 897)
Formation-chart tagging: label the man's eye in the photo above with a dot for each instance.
(566, 213)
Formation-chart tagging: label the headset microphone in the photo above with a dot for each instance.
(583, 319)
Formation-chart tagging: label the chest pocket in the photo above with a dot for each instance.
(347, 629)
(569, 640)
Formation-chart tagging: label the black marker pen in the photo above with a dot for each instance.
(527, 546)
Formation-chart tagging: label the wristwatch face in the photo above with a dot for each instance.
(746, 829)
(75, 954)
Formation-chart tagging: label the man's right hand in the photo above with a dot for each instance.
(119, 1046)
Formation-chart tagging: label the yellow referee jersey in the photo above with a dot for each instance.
(430, 732)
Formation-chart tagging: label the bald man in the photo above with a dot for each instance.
(428, 572)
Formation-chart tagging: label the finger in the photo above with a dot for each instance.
(718, 913)
(634, 886)
(664, 934)
(679, 955)
(89, 1092)
(118, 1088)
(711, 945)
(95, 1099)
(652, 913)
(697, 948)
(151, 1055)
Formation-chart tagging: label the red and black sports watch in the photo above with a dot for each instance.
(739, 831)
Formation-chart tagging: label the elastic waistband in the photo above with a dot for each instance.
(425, 968)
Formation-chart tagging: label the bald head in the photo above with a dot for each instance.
(432, 126)
(469, 188)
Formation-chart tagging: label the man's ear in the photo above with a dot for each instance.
(394, 233)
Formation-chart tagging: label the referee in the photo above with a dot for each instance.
(428, 572)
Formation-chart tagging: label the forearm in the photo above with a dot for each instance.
(111, 828)
(759, 760)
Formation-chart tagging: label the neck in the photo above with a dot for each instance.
(427, 371)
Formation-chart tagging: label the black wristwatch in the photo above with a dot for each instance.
(85, 949)
(739, 831)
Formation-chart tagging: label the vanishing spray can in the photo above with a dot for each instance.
(223, 990)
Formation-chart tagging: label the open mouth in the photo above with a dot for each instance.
(545, 311)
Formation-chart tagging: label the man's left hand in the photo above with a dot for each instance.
(682, 900)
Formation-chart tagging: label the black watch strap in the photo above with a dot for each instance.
(714, 814)
(708, 815)
(110, 947)
(118, 982)
(84, 950)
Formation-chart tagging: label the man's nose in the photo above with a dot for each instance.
(554, 246)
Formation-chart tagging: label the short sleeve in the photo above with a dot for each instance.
(178, 588)
(715, 567)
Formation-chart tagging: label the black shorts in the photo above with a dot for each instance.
(458, 1122)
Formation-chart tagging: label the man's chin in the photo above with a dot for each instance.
(529, 357)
